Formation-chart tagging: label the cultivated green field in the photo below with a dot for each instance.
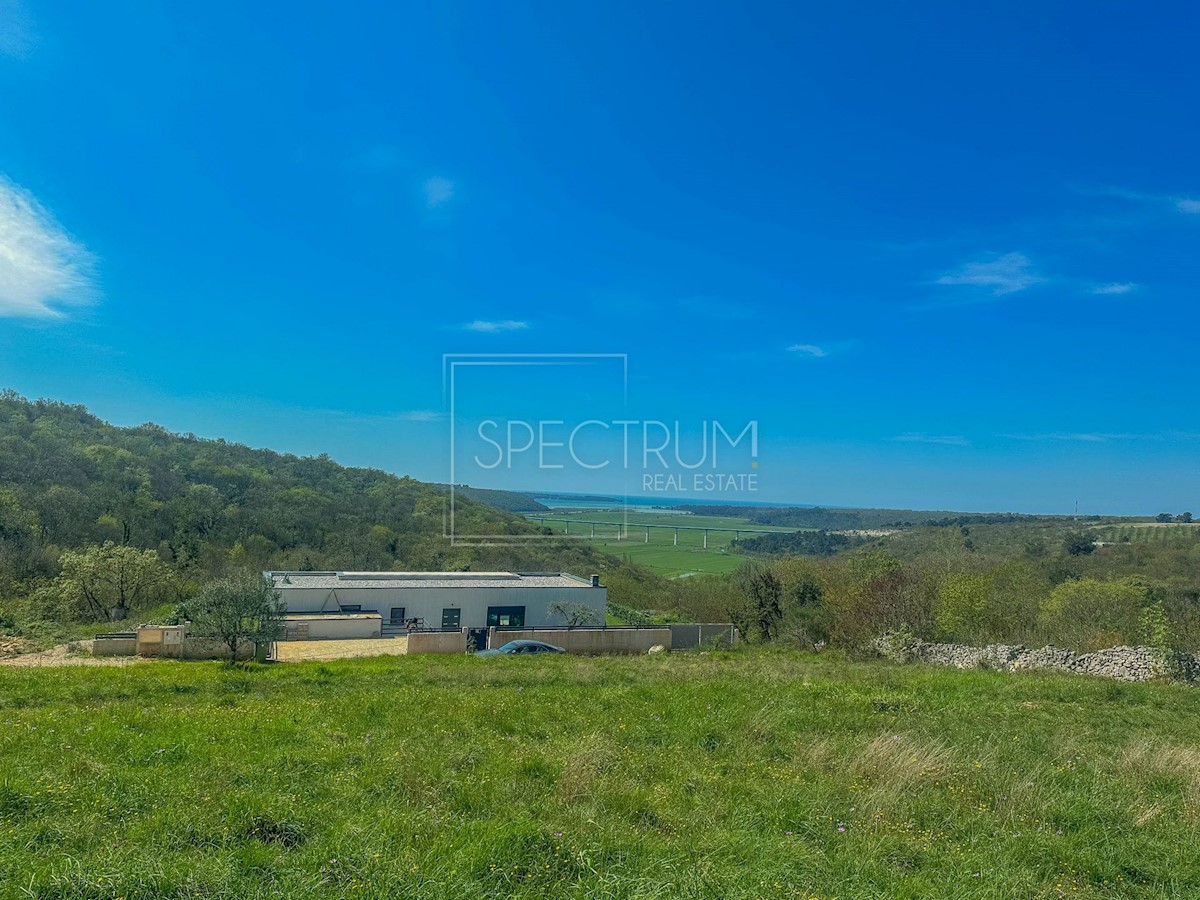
(660, 554)
(1142, 532)
(740, 775)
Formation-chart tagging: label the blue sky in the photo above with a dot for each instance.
(945, 257)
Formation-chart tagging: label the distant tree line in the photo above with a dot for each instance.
(1031, 583)
(802, 543)
(860, 519)
(1184, 517)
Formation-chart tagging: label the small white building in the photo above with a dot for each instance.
(443, 599)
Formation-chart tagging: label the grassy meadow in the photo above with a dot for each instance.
(660, 554)
(739, 775)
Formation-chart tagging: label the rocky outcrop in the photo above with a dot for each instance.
(1120, 663)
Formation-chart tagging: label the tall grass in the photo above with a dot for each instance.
(744, 775)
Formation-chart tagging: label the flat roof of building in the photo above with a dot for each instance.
(367, 580)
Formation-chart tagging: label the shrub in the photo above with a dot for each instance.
(1089, 615)
(962, 601)
(885, 597)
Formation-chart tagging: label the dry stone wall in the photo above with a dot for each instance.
(1120, 663)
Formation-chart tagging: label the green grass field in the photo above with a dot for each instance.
(660, 554)
(739, 775)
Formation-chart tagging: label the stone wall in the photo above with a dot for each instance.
(1120, 663)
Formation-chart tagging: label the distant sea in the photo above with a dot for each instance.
(600, 501)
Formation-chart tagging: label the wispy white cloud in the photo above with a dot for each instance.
(42, 267)
(999, 275)
(1086, 437)
(1178, 202)
(419, 415)
(916, 437)
(1114, 287)
(437, 190)
(812, 351)
(494, 327)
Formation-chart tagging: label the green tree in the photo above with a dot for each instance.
(234, 610)
(1078, 543)
(1155, 628)
(1017, 590)
(962, 603)
(575, 614)
(763, 592)
(19, 532)
(110, 581)
(1090, 615)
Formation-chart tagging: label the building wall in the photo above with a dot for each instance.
(587, 640)
(332, 627)
(111, 646)
(314, 600)
(437, 642)
(428, 602)
(174, 641)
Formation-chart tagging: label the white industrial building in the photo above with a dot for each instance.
(440, 600)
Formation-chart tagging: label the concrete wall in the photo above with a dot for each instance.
(174, 641)
(437, 642)
(333, 627)
(428, 602)
(587, 640)
(312, 600)
(691, 637)
(111, 646)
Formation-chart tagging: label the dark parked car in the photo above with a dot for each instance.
(522, 647)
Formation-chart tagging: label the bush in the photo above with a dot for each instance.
(880, 596)
(962, 602)
(1090, 615)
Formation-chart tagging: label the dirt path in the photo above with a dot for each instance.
(296, 651)
(286, 651)
(62, 655)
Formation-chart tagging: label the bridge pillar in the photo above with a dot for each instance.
(593, 529)
(676, 537)
(705, 538)
(647, 534)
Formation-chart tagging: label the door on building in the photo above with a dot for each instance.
(506, 616)
(397, 617)
(451, 617)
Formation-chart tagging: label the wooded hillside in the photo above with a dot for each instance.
(70, 480)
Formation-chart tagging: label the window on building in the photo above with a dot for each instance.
(397, 615)
(506, 616)
(451, 617)
(351, 608)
